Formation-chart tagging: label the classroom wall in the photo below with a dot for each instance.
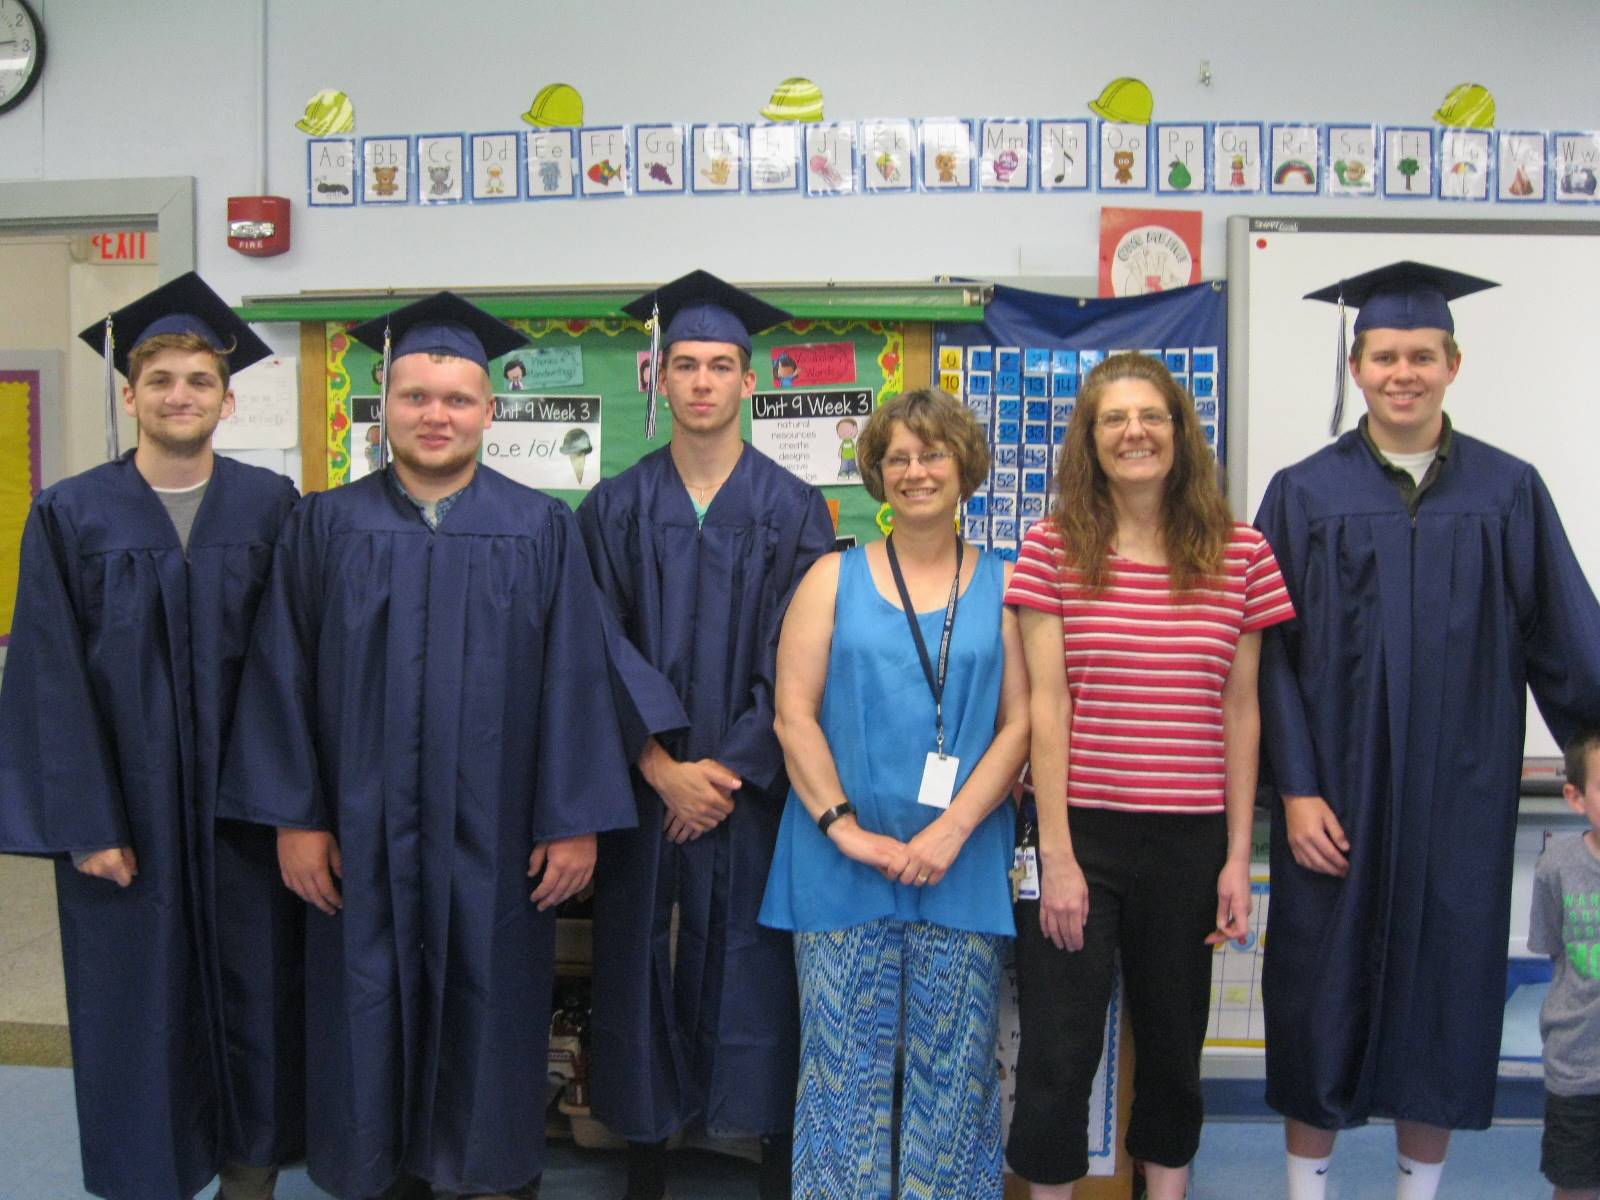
(169, 88)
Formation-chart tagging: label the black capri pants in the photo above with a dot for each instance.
(1152, 898)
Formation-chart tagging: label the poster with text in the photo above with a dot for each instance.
(1063, 155)
(812, 431)
(546, 442)
(1144, 250)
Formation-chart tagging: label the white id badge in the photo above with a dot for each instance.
(1027, 873)
(938, 780)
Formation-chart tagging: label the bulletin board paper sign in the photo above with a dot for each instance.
(812, 431)
(1183, 158)
(603, 159)
(774, 159)
(546, 442)
(1124, 157)
(363, 437)
(1063, 153)
(716, 158)
(1466, 164)
(946, 154)
(830, 159)
(1144, 250)
(496, 166)
(813, 364)
(1577, 170)
(539, 368)
(1407, 163)
(1005, 153)
(1102, 1095)
(661, 152)
(266, 413)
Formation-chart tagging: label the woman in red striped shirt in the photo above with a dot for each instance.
(1141, 607)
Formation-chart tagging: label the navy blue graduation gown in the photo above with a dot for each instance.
(436, 699)
(1398, 695)
(698, 610)
(183, 990)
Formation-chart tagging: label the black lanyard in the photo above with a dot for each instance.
(935, 683)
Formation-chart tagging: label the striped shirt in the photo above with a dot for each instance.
(1145, 674)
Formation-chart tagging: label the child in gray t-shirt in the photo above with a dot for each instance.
(1565, 924)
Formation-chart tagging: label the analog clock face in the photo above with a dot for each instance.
(21, 52)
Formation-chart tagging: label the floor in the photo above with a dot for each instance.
(1239, 1159)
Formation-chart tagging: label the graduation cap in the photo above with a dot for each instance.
(1401, 295)
(698, 307)
(442, 323)
(183, 305)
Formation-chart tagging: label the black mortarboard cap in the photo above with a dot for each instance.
(183, 305)
(1401, 295)
(443, 323)
(698, 307)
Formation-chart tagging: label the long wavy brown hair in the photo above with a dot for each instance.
(1196, 522)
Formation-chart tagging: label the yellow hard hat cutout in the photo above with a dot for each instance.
(1468, 106)
(1125, 101)
(557, 106)
(327, 113)
(795, 99)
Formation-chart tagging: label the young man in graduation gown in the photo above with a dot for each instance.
(697, 548)
(1433, 583)
(138, 584)
(419, 719)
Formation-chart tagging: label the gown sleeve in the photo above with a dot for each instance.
(647, 705)
(750, 748)
(59, 789)
(272, 775)
(1556, 606)
(1285, 729)
(583, 785)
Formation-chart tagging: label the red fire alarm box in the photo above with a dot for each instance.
(258, 225)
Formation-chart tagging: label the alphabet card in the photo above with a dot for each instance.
(774, 158)
(659, 151)
(716, 158)
(385, 170)
(332, 182)
(1296, 155)
(1004, 150)
(830, 159)
(946, 155)
(1063, 156)
(552, 164)
(1521, 168)
(1352, 160)
(1180, 158)
(1407, 163)
(1124, 157)
(1466, 158)
(495, 159)
(440, 159)
(1236, 157)
(886, 155)
(1577, 165)
(603, 159)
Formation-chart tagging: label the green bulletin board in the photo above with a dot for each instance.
(610, 350)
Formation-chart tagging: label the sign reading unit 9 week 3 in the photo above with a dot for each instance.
(812, 431)
(546, 442)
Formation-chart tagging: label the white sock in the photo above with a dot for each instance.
(1416, 1180)
(1308, 1177)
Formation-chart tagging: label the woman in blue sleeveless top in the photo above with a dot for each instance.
(892, 858)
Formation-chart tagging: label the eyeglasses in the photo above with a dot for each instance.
(1149, 418)
(931, 460)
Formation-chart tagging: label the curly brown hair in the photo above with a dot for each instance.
(1196, 522)
(936, 417)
